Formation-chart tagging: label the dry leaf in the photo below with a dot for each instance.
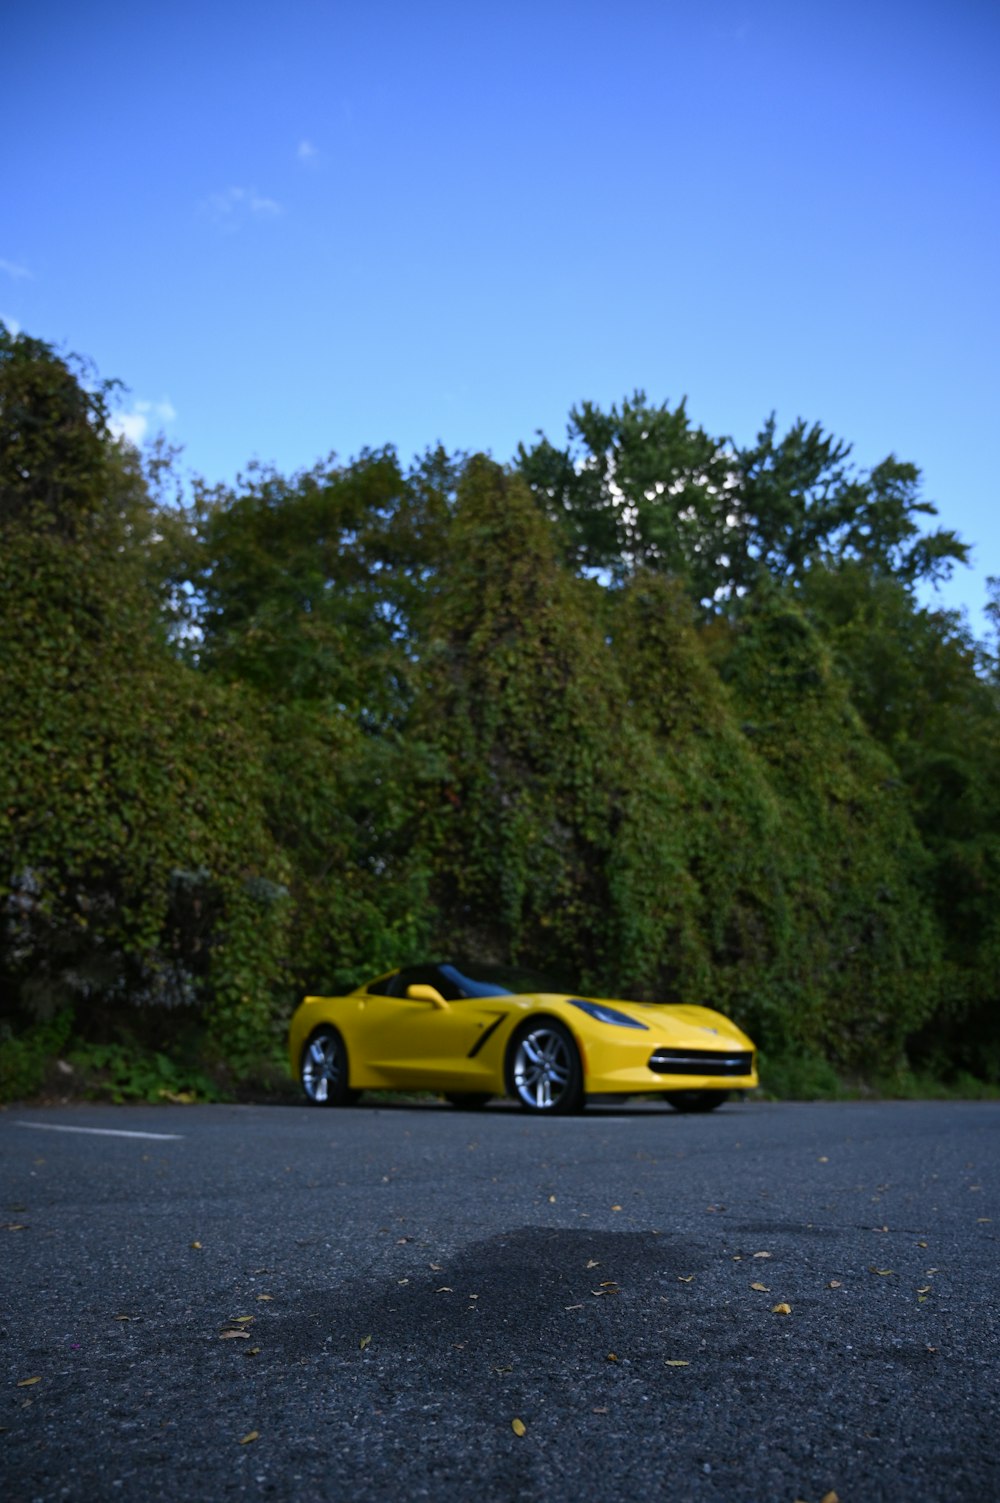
(552, 1200)
(234, 1335)
(600, 1409)
(763, 1255)
(781, 1309)
(196, 1246)
(980, 1221)
(593, 1263)
(830, 1497)
(572, 1307)
(252, 1351)
(824, 1159)
(616, 1208)
(16, 1226)
(925, 1290)
(675, 1362)
(761, 1287)
(252, 1435)
(28, 1382)
(445, 1289)
(834, 1284)
(612, 1357)
(241, 1320)
(685, 1278)
(883, 1273)
(518, 1426)
(365, 1341)
(265, 1296)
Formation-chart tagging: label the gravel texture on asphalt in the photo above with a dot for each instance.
(774, 1302)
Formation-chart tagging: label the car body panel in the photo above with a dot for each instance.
(461, 1046)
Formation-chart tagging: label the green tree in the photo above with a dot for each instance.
(866, 962)
(135, 868)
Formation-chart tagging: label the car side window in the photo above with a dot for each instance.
(387, 986)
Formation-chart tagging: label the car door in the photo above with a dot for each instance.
(412, 1042)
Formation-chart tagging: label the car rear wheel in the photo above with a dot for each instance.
(696, 1101)
(323, 1071)
(467, 1101)
(543, 1068)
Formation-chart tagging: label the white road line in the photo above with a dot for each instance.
(101, 1132)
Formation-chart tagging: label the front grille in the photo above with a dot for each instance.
(701, 1062)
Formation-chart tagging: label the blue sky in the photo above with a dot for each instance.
(303, 227)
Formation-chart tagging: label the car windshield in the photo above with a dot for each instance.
(498, 980)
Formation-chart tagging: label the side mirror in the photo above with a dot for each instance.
(427, 994)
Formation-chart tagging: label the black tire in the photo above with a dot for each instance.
(543, 1070)
(323, 1070)
(696, 1101)
(467, 1101)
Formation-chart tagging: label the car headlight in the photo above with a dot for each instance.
(603, 1014)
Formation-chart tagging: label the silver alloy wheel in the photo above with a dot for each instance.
(543, 1068)
(323, 1068)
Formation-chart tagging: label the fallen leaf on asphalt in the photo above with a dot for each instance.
(572, 1307)
(834, 1284)
(365, 1341)
(552, 1200)
(28, 1382)
(761, 1287)
(445, 1289)
(980, 1221)
(593, 1263)
(518, 1426)
(609, 1283)
(234, 1335)
(436, 1267)
(926, 1289)
(883, 1273)
(252, 1351)
(612, 1357)
(16, 1226)
(763, 1255)
(501, 1370)
(600, 1409)
(824, 1159)
(685, 1278)
(123, 1317)
(781, 1309)
(616, 1208)
(830, 1498)
(196, 1246)
(265, 1296)
(252, 1435)
(675, 1362)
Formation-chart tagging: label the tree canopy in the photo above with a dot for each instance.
(650, 710)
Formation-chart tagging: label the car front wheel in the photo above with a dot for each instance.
(543, 1068)
(323, 1071)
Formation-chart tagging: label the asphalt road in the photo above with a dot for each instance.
(407, 1282)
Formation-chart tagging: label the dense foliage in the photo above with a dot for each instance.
(656, 713)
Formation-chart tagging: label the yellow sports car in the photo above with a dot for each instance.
(473, 1032)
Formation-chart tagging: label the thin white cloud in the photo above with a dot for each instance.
(13, 269)
(12, 325)
(135, 424)
(233, 205)
(307, 152)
